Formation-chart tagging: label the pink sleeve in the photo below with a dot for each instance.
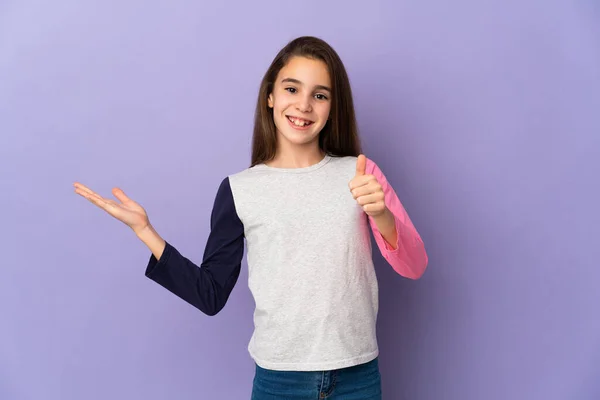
(409, 258)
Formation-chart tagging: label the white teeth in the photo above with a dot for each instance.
(298, 122)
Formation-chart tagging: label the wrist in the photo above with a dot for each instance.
(152, 240)
(386, 225)
(145, 232)
(383, 217)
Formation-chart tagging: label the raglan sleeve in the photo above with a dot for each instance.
(407, 256)
(208, 286)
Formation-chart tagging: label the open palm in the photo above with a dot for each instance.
(125, 210)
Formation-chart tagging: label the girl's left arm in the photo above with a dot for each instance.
(406, 254)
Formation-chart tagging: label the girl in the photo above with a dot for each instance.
(304, 209)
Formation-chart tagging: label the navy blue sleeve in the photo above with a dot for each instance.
(206, 287)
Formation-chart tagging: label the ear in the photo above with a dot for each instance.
(270, 100)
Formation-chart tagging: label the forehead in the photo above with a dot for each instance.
(308, 71)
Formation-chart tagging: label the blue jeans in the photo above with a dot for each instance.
(361, 382)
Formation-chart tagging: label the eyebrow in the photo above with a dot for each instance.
(296, 81)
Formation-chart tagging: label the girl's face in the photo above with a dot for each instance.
(301, 100)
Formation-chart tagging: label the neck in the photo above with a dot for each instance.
(297, 156)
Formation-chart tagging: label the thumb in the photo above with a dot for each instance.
(361, 165)
(120, 195)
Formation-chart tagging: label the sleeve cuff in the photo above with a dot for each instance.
(388, 247)
(155, 265)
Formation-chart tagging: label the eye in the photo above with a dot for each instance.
(291, 89)
(321, 96)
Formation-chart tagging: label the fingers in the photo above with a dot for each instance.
(120, 195)
(361, 180)
(86, 192)
(372, 187)
(82, 187)
(370, 198)
(361, 165)
(374, 208)
(94, 198)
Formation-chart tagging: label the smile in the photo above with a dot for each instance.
(299, 123)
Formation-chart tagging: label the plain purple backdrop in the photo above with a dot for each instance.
(485, 116)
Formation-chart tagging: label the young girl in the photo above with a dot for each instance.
(304, 209)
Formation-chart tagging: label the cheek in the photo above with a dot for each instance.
(324, 111)
(281, 104)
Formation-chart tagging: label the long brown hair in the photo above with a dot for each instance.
(339, 136)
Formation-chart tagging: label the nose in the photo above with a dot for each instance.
(304, 104)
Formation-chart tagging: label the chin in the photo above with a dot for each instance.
(300, 141)
(300, 137)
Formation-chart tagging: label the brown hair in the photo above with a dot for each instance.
(339, 136)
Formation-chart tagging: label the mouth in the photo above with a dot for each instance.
(299, 123)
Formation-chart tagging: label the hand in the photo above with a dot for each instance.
(366, 190)
(127, 211)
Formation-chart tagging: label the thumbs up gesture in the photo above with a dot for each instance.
(366, 190)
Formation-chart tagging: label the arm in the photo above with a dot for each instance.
(404, 250)
(206, 287)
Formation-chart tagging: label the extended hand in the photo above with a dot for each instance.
(127, 211)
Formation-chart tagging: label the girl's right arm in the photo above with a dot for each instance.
(206, 287)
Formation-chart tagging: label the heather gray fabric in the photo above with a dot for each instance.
(310, 268)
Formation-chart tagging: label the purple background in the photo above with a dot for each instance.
(485, 118)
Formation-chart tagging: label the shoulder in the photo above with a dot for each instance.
(372, 167)
(344, 160)
(249, 183)
(226, 183)
(249, 175)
